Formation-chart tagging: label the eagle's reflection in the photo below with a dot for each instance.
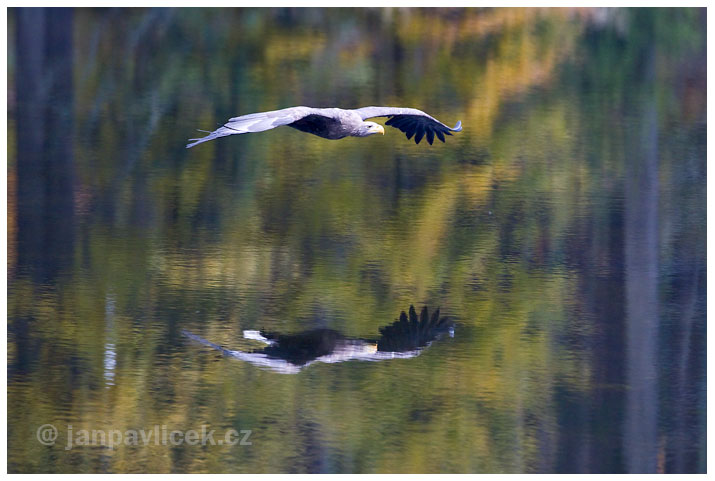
(289, 353)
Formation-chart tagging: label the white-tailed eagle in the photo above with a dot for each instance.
(334, 123)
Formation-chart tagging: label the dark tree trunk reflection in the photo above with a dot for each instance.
(641, 255)
(45, 170)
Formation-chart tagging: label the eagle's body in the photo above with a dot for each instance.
(334, 123)
(330, 124)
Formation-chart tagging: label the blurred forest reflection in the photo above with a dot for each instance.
(564, 230)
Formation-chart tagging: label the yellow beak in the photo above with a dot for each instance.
(382, 129)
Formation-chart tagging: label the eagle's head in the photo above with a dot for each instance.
(369, 128)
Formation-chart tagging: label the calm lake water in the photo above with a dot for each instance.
(563, 232)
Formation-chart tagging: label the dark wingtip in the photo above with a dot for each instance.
(458, 127)
(418, 135)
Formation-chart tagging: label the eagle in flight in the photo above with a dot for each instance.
(334, 123)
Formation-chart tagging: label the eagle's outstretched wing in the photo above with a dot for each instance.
(411, 122)
(258, 122)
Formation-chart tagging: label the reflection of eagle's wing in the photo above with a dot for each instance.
(261, 121)
(255, 358)
(413, 333)
(411, 122)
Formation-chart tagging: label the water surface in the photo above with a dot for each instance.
(563, 231)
